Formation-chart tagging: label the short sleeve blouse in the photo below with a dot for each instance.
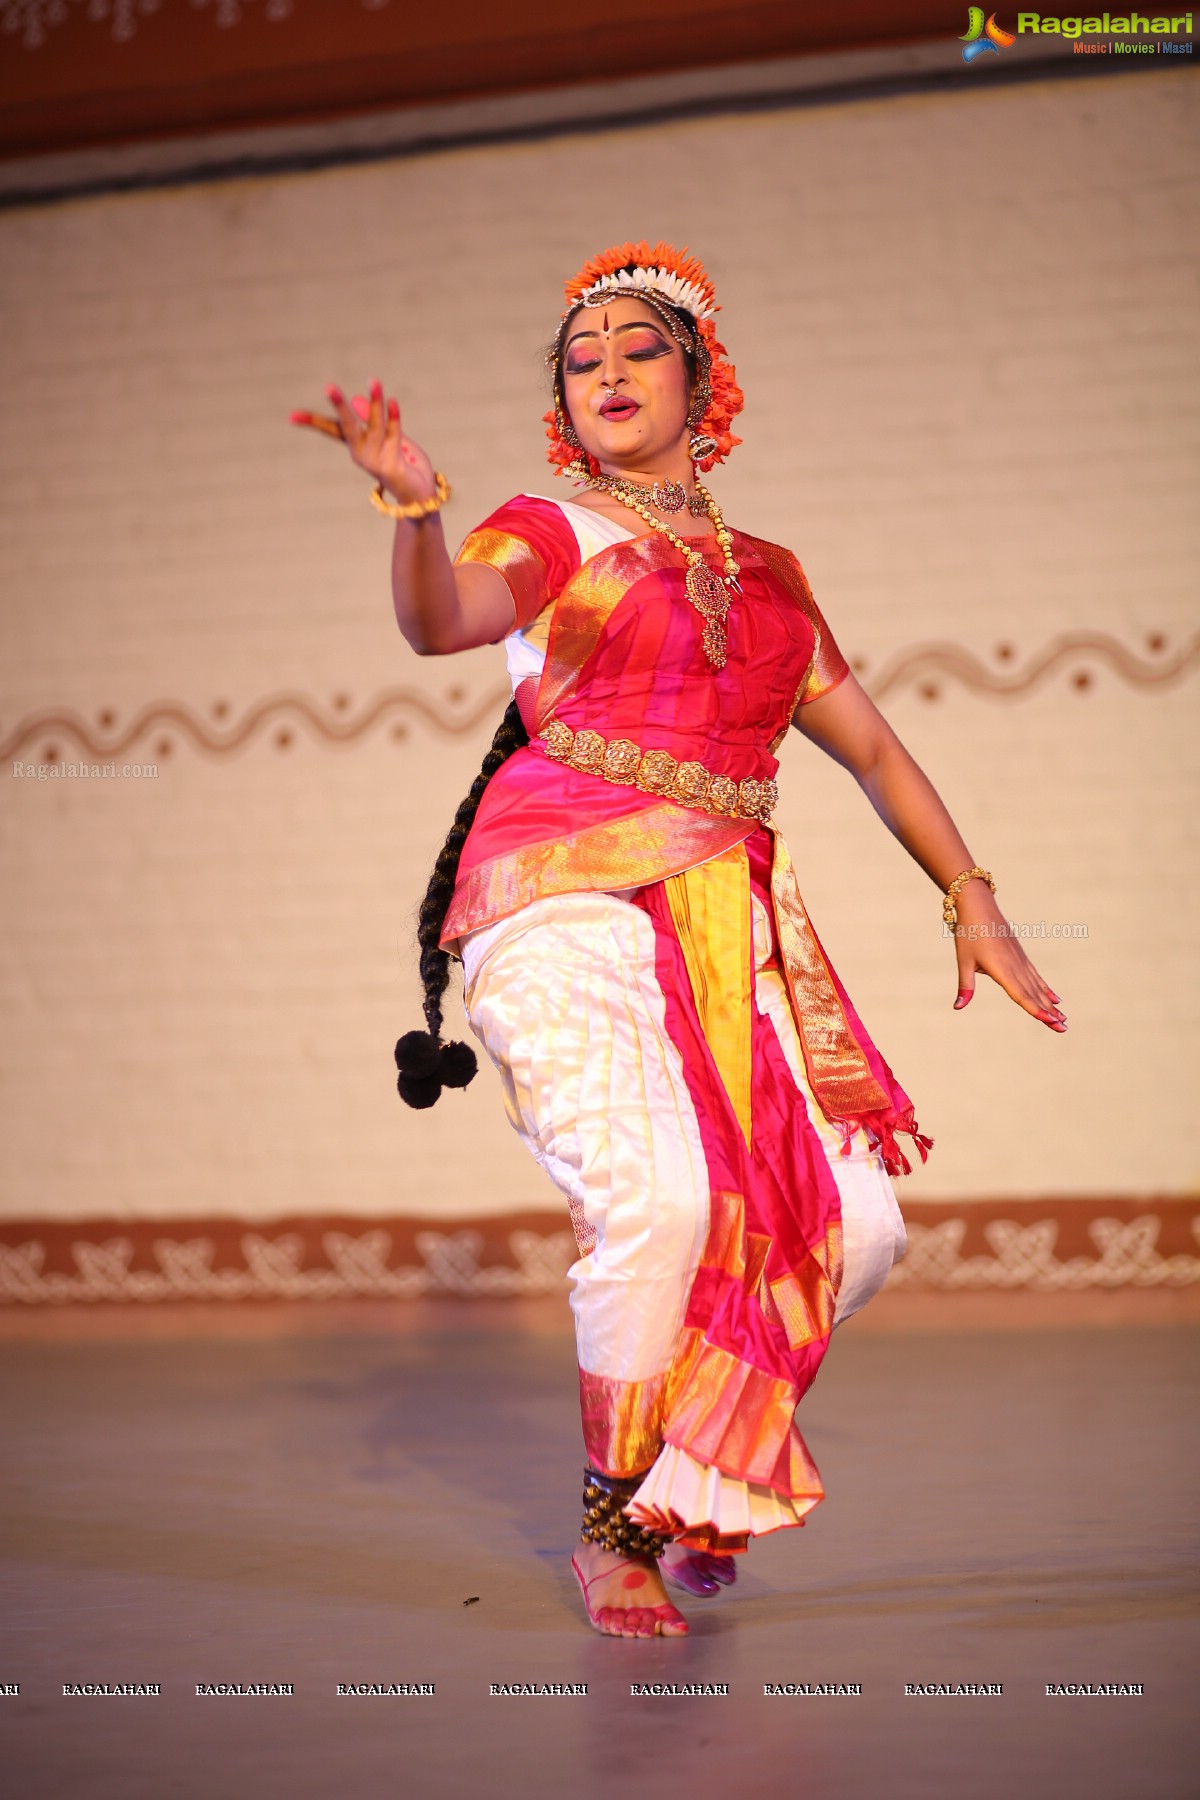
(531, 544)
(828, 666)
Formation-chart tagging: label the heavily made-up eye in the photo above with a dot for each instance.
(643, 347)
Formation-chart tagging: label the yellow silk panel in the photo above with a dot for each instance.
(710, 909)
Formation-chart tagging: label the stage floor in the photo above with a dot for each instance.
(1014, 1508)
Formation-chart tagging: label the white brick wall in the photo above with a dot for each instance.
(964, 323)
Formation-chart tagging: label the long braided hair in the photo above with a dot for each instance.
(427, 1065)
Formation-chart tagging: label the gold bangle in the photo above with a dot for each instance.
(949, 909)
(412, 509)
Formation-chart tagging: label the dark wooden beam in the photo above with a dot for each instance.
(180, 72)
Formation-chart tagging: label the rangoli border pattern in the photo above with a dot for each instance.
(359, 1267)
(359, 1264)
(1023, 1257)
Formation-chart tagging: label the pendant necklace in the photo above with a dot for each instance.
(708, 592)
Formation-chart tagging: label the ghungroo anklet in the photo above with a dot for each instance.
(604, 1520)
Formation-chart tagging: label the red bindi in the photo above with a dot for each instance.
(606, 321)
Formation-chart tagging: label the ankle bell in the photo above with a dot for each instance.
(605, 1521)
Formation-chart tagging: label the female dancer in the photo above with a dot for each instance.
(675, 1048)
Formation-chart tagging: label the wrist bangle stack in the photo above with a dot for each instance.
(412, 509)
(949, 908)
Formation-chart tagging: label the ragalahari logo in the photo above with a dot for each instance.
(979, 36)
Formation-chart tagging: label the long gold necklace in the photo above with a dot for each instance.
(708, 592)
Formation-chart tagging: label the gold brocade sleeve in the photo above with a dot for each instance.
(828, 665)
(518, 562)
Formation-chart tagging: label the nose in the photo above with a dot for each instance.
(613, 372)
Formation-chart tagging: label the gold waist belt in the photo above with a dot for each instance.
(658, 772)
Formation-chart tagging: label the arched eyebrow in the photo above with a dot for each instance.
(633, 325)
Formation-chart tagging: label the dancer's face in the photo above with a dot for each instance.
(624, 345)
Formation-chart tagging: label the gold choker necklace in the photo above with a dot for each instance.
(708, 592)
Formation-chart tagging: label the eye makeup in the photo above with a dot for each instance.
(643, 344)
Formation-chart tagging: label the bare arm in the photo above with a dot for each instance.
(439, 608)
(849, 727)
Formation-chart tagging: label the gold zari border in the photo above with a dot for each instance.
(837, 1065)
(647, 845)
(622, 1421)
(517, 561)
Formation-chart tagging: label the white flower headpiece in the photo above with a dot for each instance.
(686, 294)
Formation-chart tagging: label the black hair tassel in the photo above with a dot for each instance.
(427, 1066)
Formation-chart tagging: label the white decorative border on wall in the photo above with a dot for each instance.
(1023, 1257)
(359, 1264)
(273, 1269)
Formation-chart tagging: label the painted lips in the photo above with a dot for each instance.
(618, 409)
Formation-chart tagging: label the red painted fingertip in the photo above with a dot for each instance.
(300, 418)
(393, 409)
(377, 390)
(964, 994)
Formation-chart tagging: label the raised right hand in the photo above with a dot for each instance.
(371, 431)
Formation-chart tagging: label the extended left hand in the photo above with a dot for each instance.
(984, 941)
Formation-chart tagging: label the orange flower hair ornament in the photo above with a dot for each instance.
(665, 278)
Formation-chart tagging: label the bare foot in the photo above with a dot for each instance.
(699, 1571)
(624, 1595)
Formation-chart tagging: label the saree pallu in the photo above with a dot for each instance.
(722, 1234)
